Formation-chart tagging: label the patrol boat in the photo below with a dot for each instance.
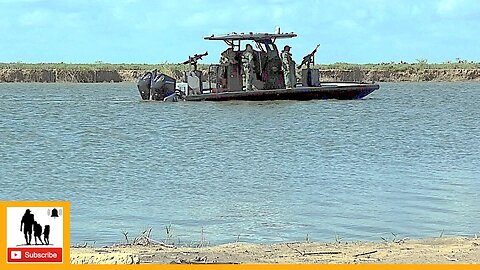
(225, 81)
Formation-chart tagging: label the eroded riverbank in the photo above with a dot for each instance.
(128, 75)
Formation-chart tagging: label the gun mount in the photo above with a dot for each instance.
(310, 75)
(192, 60)
(309, 59)
(194, 77)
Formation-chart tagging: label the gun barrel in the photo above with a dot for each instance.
(308, 59)
(198, 56)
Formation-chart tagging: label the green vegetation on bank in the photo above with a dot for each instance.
(90, 67)
(421, 64)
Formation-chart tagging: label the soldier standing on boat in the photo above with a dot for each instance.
(288, 66)
(227, 62)
(248, 67)
(228, 57)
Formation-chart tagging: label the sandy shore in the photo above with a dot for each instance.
(455, 250)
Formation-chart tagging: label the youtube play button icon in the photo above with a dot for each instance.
(16, 255)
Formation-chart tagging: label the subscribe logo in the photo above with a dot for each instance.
(35, 234)
(35, 255)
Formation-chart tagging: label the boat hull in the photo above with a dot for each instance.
(341, 91)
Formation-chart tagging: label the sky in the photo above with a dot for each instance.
(146, 31)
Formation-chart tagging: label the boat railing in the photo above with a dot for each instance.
(214, 78)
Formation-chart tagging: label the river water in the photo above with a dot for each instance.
(405, 160)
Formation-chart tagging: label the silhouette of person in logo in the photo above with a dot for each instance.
(37, 232)
(46, 234)
(27, 224)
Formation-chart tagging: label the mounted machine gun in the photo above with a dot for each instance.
(192, 60)
(309, 58)
(194, 77)
(310, 76)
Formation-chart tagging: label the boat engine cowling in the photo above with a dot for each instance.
(143, 85)
(161, 86)
(155, 86)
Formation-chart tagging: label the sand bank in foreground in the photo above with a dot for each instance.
(424, 251)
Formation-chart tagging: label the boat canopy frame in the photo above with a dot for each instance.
(233, 40)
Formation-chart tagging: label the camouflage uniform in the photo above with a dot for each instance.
(227, 65)
(248, 67)
(228, 58)
(288, 67)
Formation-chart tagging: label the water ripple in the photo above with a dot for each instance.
(405, 160)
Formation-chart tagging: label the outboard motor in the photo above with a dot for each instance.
(143, 85)
(155, 86)
(161, 86)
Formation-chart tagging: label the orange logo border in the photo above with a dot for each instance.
(66, 234)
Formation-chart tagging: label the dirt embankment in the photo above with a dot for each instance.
(97, 76)
(70, 76)
(426, 75)
(458, 250)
